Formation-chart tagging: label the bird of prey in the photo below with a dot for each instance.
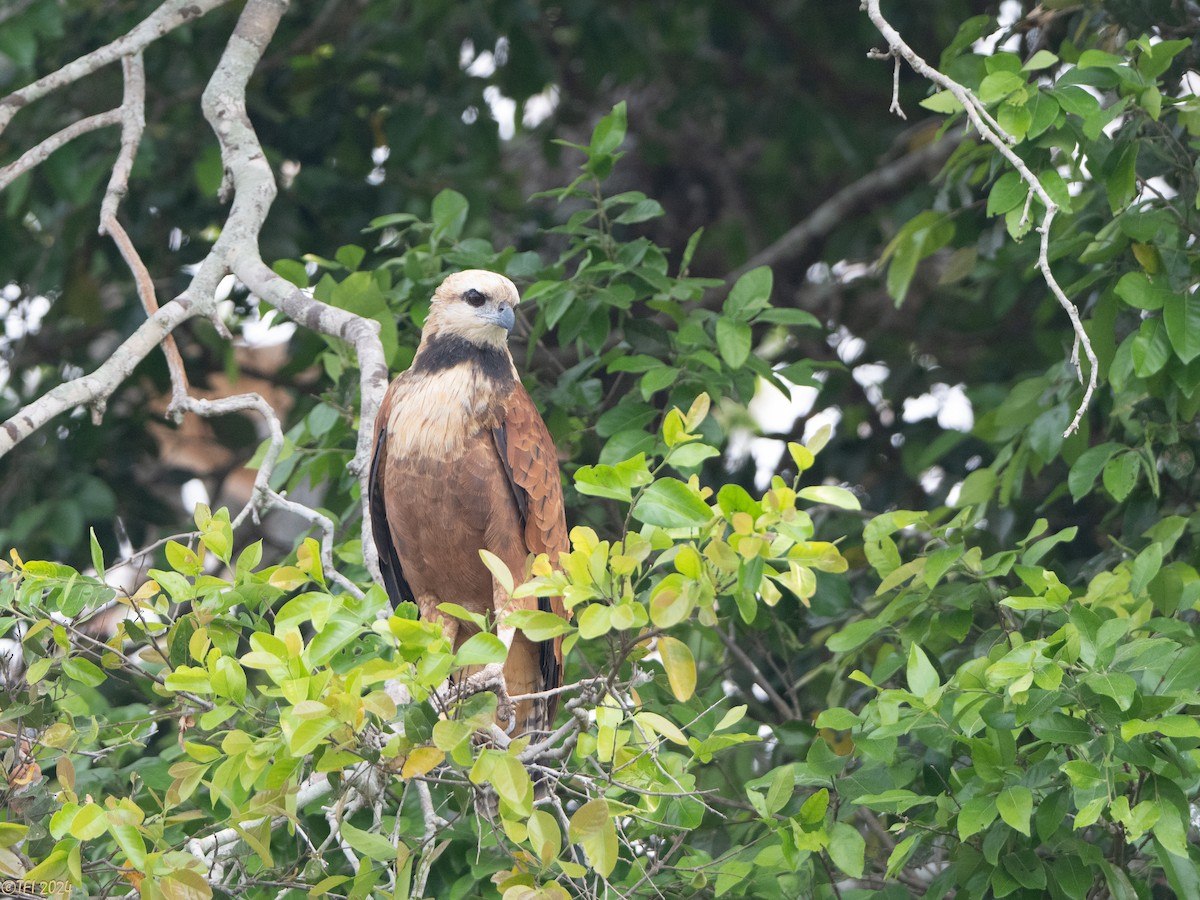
(463, 462)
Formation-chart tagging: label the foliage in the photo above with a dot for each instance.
(984, 684)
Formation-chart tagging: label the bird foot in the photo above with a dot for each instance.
(490, 678)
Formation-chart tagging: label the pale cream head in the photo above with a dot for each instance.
(475, 305)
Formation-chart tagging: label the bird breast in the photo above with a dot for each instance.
(435, 413)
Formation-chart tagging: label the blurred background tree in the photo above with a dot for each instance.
(743, 120)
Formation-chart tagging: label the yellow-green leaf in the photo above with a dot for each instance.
(420, 761)
(680, 665)
(544, 836)
(592, 827)
(498, 569)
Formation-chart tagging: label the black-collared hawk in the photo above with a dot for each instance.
(462, 463)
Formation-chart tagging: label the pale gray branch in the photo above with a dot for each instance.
(989, 129)
(35, 156)
(250, 183)
(165, 19)
(100, 384)
(253, 187)
(133, 124)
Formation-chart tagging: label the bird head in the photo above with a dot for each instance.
(474, 305)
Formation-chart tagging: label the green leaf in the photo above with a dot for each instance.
(1121, 183)
(1009, 192)
(481, 650)
(1042, 59)
(671, 603)
(609, 132)
(1090, 464)
(97, 553)
(999, 85)
(641, 211)
(670, 503)
(374, 846)
(615, 482)
(656, 380)
(1060, 728)
(734, 341)
(924, 234)
(89, 823)
(680, 666)
(1117, 685)
(895, 801)
(942, 102)
(537, 624)
(593, 828)
(854, 635)
(847, 849)
(922, 676)
(975, 815)
(838, 718)
(189, 679)
(830, 494)
(84, 671)
(1026, 868)
(130, 840)
(1015, 805)
(1121, 474)
(449, 214)
(1140, 292)
(1182, 317)
(350, 256)
(499, 570)
(750, 294)
(1151, 348)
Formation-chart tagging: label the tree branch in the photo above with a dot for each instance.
(249, 177)
(989, 129)
(133, 124)
(781, 705)
(99, 385)
(35, 156)
(822, 220)
(163, 20)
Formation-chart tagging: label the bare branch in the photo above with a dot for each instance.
(253, 186)
(989, 129)
(133, 124)
(822, 220)
(165, 19)
(743, 658)
(34, 157)
(98, 386)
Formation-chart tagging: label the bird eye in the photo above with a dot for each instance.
(474, 297)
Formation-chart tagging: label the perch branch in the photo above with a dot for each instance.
(989, 129)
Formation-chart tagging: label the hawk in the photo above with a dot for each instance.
(463, 462)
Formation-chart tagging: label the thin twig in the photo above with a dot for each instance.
(781, 705)
(133, 124)
(989, 129)
(35, 156)
(164, 19)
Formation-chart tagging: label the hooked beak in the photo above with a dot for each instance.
(504, 317)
